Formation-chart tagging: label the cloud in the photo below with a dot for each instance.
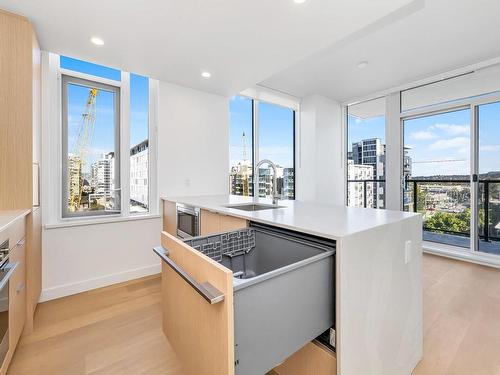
(460, 143)
(489, 148)
(422, 135)
(453, 129)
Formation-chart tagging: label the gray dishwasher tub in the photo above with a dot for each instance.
(284, 291)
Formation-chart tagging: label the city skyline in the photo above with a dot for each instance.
(439, 144)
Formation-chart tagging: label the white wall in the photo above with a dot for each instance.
(81, 258)
(193, 143)
(320, 175)
(193, 159)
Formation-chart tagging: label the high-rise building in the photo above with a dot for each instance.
(139, 176)
(103, 184)
(288, 183)
(371, 152)
(360, 194)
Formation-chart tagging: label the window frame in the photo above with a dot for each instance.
(51, 186)
(66, 80)
(255, 140)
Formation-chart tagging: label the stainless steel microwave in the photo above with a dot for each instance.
(188, 221)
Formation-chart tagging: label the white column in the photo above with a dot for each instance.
(394, 153)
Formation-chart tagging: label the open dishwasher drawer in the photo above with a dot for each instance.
(241, 302)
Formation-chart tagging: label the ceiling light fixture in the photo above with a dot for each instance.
(362, 64)
(206, 74)
(299, 1)
(97, 41)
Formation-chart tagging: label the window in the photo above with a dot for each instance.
(275, 130)
(92, 182)
(366, 154)
(241, 146)
(89, 68)
(91, 147)
(139, 144)
(276, 143)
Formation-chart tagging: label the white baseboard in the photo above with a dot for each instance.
(457, 253)
(98, 282)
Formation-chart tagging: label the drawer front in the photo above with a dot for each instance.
(17, 294)
(14, 232)
(311, 359)
(201, 334)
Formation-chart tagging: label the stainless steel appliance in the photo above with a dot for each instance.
(188, 221)
(6, 271)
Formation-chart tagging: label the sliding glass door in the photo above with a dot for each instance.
(437, 174)
(488, 177)
(452, 173)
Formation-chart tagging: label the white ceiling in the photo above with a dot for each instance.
(443, 35)
(240, 42)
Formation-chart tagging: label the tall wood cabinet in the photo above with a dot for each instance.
(20, 146)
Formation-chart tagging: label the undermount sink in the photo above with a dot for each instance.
(253, 206)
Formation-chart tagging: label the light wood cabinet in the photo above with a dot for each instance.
(20, 155)
(200, 333)
(170, 217)
(312, 359)
(213, 222)
(17, 293)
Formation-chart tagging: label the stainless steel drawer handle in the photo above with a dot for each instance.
(206, 290)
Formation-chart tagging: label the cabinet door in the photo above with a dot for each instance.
(17, 294)
(312, 359)
(228, 223)
(201, 333)
(210, 222)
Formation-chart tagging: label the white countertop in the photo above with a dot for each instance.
(325, 220)
(8, 217)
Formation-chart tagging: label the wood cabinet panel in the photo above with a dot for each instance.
(209, 222)
(201, 334)
(170, 217)
(17, 294)
(33, 266)
(16, 112)
(228, 223)
(312, 359)
(213, 222)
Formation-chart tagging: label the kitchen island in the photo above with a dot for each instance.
(377, 283)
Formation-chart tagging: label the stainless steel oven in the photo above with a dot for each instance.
(188, 221)
(6, 271)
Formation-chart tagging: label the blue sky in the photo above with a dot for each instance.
(440, 144)
(275, 131)
(103, 139)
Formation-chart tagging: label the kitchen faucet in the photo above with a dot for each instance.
(256, 180)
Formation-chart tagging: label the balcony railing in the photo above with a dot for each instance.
(488, 208)
(365, 183)
(489, 202)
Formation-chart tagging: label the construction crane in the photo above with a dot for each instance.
(80, 150)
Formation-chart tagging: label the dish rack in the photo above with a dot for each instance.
(231, 244)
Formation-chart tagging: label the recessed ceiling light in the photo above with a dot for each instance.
(97, 41)
(299, 1)
(206, 74)
(362, 64)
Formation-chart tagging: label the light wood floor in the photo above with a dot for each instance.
(117, 330)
